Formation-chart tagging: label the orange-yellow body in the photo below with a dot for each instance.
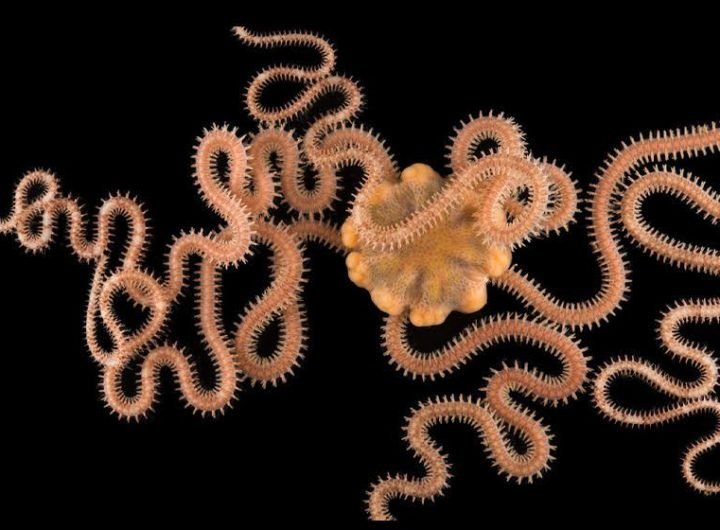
(445, 269)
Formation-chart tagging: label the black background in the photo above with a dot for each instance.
(114, 100)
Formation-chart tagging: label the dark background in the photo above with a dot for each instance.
(114, 100)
